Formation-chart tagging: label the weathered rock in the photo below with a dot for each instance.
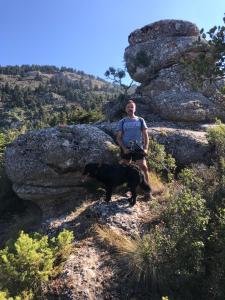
(154, 58)
(47, 164)
(116, 110)
(144, 60)
(187, 145)
(173, 97)
(160, 45)
(163, 28)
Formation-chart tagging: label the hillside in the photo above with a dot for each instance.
(36, 96)
(59, 238)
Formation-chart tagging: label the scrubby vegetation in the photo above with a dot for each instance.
(208, 65)
(29, 262)
(183, 255)
(39, 96)
(33, 97)
(160, 161)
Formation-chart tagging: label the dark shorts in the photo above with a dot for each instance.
(132, 156)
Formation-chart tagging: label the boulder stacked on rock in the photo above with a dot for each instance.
(155, 57)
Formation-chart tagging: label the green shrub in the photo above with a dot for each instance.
(186, 223)
(215, 251)
(173, 251)
(62, 246)
(187, 218)
(3, 143)
(149, 263)
(25, 295)
(222, 90)
(186, 251)
(30, 261)
(6, 137)
(201, 179)
(216, 138)
(159, 160)
(84, 116)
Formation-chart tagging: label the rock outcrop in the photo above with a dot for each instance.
(90, 272)
(46, 164)
(187, 144)
(168, 88)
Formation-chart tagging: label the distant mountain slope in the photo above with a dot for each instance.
(46, 95)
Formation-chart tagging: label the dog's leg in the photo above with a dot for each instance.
(132, 200)
(108, 193)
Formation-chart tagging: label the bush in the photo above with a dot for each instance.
(171, 257)
(216, 138)
(171, 253)
(201, 179)
(149, 263)
(84, 116)
(140, 258)
(159, 160)
(29, 262)
(215, 251)
(25, 295)
(186, 220)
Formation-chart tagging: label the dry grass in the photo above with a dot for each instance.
(121, 243)
(157, 185)
(137, 257)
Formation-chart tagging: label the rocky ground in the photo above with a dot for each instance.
(90, 272)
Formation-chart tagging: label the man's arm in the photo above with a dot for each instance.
(120, 142)
(145, 139)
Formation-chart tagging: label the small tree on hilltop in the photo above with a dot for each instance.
(116, 76)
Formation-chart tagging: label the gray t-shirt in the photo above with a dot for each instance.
(132, 130)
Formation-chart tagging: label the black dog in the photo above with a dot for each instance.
(114, 175)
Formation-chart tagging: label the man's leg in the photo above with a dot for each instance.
(142, 164)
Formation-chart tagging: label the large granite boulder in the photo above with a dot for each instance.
(186, 144)
(47, 164)
(160, 45)
(155, 58)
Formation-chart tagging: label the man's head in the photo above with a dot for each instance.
(130, 108)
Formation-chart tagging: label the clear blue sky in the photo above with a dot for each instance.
(88, 35)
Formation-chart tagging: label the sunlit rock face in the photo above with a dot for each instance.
(47, 164)
(155, 57)
(187, 145)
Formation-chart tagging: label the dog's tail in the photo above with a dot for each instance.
(144, 184)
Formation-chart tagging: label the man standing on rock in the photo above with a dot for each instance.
(132, 137)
